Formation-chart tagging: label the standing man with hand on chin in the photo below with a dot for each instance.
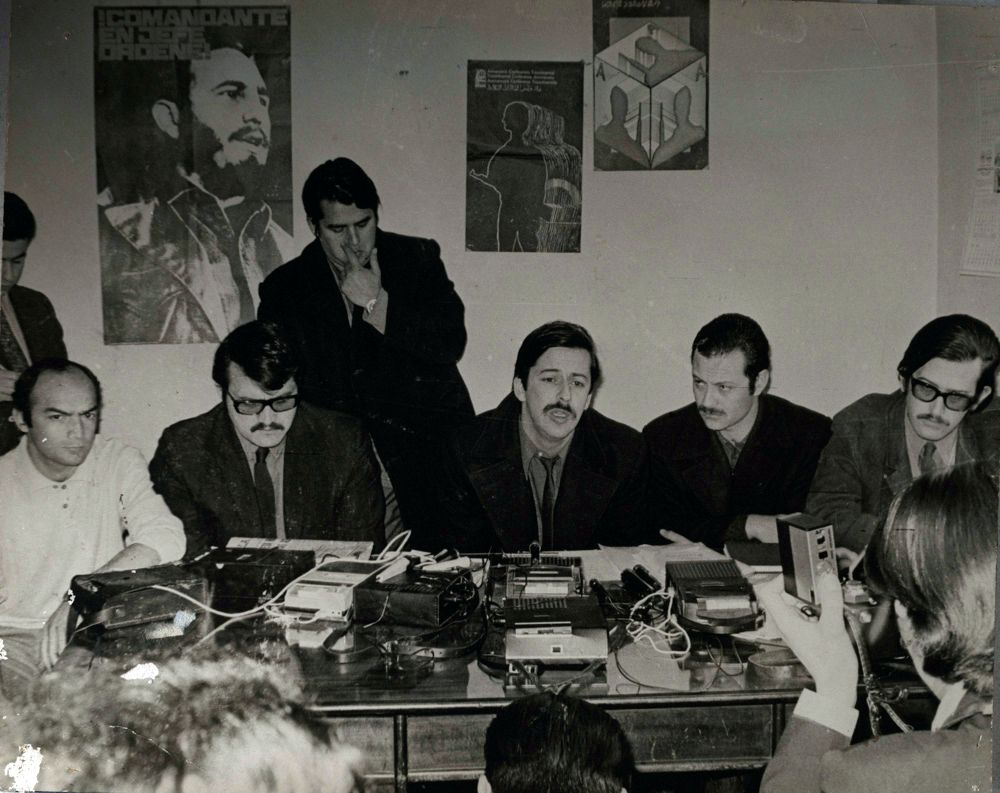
(378, 329)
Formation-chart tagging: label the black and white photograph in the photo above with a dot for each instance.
(650, 85)
(397, 427)
(524, 192)
(194, 199)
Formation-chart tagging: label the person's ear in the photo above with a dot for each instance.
(762, 382)
(167, 117)
(484, 786)
(17, 417)
(519, 389)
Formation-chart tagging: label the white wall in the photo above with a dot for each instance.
(967, 39)
(818, 214)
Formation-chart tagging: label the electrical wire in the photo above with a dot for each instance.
(399, 540)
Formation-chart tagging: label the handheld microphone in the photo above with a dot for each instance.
(647, 577)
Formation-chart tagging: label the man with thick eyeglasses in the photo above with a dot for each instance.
(723, 466)
(263, 463)
(941, 416)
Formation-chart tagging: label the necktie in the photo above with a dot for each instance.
(265, 491)
(927, 461)
(11, 355)
(548, 502)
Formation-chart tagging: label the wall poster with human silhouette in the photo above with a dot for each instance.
(650, 85)
(523, 156)
(194, 168)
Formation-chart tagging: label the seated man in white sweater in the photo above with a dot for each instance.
(70, 503)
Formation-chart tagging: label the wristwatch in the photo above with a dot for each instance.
(370, 305)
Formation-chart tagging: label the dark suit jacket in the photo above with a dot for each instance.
(865, 463)
(487, 502)
(405, 384)
(332, 489)
(692, 490)
(811, 758)
(44, 336)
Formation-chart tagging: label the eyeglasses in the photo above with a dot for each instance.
(252, 407)
(926, 392)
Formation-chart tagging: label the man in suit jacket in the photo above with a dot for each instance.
(939, 418)
(263, 465)
(723, 466)
(378, 328)
(29, 330)
(543, 466)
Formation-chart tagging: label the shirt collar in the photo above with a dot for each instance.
(250, 449)
(953, 704)
(945, 448)
(528, 448)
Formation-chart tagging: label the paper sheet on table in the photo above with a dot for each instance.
(337, 549)
(652, 557)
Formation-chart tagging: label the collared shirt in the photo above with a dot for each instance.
(275, 462)
(51, 531)
(534, 471)
(945, 449)
(9, 318)
(733, 449)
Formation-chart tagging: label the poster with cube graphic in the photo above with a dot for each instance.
(650, 85)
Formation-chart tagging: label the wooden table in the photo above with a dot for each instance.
(431, 726)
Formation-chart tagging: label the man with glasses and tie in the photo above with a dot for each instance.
(938, 418)
(264, 464)
(723, 466)
(543, 466)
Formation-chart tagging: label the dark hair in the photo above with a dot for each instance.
(341, 180)
(936, 554)
(556, 334)
(18, 221)
(556, 743)
(260, 350)
(232, 721)
(955, 337)
(728, 332)
(25, 384)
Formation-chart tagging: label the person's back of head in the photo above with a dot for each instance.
(557, 744)
(935, 555)
(199, 726)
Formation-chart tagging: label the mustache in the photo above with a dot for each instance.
(564, 406)
(929, 417)
(243, 133)
(711, 412)
(263, 426)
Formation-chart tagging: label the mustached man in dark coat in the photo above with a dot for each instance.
(722, 467)
(544, 466)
